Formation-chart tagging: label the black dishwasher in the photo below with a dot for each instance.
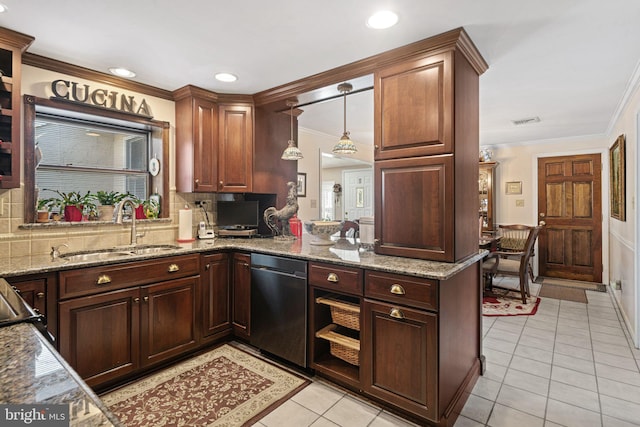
(279, 307)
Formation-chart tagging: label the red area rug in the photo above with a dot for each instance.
(224, 387)
(509, 305)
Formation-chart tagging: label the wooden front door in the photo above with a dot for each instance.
(569, 205)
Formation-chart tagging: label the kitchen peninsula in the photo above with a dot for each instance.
(445, 295)
(439, 303)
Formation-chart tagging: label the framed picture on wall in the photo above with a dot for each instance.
(514, 187)
(617, 179)
(302, 184)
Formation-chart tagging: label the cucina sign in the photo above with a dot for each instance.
(83, 93)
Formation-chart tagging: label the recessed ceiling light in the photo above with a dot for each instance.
(382, 19)
(226, 77)
(122, 72)
(3, 8)
(91, 133)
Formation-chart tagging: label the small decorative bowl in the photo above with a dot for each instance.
(322, 231)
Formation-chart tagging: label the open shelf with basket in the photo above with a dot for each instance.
(336, 341)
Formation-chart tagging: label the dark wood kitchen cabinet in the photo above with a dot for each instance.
(119, 319)
(335, 294)
(214, 141)
(241, 283)
(413, 357)
(12, 45)
(216, 301)
(426, 149)
(40, 292)
(235, 148)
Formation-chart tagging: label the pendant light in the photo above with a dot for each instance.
(291, 152)
(345, 145)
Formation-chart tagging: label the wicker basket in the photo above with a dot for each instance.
(340, 346)
(342, 313)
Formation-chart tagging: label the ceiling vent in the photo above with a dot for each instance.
(526, 121)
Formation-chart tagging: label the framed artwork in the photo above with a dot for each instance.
(302, 184)
(514, 187)
(360, 197)
(617, 179)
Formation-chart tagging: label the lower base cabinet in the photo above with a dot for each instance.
(107, 335)
(216, 304)
(400, 359)
(241, 286)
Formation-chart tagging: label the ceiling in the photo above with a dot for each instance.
(568, 62)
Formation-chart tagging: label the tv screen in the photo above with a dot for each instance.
(237, 214)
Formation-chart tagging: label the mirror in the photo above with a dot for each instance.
(320, 126)
(346, 187)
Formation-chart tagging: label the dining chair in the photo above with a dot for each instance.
(513, 239)
(513, 263)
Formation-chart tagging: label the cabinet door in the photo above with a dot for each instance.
(415, 208)
(99, 335)
(400, 363)
(205, 137)
(216, 316)
(168, 319)
(34, 293)
(241, 295)
(235, 149)
(413, 107)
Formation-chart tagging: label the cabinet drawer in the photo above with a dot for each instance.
(405, 290)
(336, 278)
(87, 281)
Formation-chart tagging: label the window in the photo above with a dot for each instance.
(70, 147)
(81, 156)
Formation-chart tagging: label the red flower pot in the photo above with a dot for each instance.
(72, 214)
(140, 212)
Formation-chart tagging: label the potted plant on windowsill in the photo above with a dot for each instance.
(107, 200)
(72, 204)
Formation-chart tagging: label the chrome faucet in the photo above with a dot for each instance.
(55, 250)
(118, 219)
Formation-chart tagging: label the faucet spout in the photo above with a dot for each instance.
(118, 216)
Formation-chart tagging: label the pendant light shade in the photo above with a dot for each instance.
(345, 145)
(292, 152)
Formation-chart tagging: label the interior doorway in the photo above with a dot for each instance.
(570, 208)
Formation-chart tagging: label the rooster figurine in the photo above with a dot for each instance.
(272, 215)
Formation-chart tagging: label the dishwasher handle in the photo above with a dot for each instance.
(297, 274)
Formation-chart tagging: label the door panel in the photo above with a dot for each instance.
(569, 202)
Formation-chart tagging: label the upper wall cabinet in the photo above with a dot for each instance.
(12, 45)
(214, 142)
(414, 108)
(427, 147)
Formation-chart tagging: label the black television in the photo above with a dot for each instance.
(237, 214)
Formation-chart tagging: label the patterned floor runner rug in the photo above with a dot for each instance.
(509, 305)
(224, 387)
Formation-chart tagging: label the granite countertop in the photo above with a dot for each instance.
(343, 252)
(32, 372)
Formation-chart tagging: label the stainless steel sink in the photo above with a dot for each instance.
(153, 249)
(94, 256)
(115, 253)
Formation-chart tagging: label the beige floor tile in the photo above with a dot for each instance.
(351, 412)
(571, 416)
(291, 414)
(318, 397)
(522, 400)
(503, 416)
